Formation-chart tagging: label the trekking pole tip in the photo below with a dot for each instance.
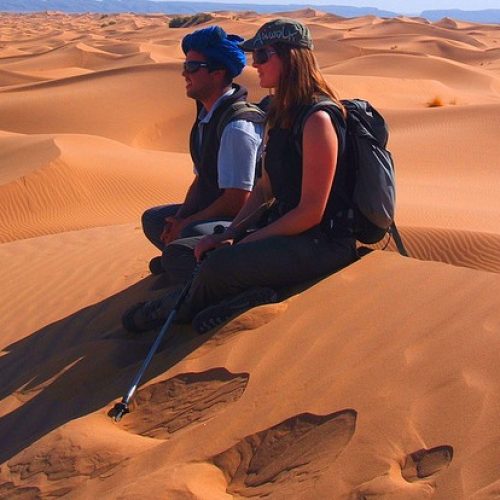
(118, 411)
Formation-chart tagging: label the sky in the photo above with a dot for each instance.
(413, 6)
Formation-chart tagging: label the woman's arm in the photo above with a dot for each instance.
(319, 161)
(259, 199)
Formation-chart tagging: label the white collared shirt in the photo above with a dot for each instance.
(240, 147)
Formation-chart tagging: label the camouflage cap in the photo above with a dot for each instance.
(283, 30)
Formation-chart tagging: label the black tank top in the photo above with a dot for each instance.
(284, 166)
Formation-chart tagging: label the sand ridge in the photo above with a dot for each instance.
(380, 381)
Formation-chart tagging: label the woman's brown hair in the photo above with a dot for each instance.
(300, 83)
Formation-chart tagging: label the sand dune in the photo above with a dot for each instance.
(305, 13)
(73, 54)
(380, 381)
(8, 78)
(83, 181)
(123, 111)
(456, 150)
(357, 454)
(415, 67)
(471, 249)
(400, 28)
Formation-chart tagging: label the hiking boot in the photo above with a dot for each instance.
(146, 316)
(155, 265)
(222, 312)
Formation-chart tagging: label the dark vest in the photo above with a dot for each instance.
(205, 156)
(284, 166)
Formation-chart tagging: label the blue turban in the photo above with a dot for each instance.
(218, 47)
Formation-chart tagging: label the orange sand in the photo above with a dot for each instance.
(381, 381)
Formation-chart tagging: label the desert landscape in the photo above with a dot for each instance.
(381, 381)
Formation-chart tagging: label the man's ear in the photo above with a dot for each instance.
(221, 75)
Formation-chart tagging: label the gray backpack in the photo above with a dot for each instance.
(374, 194)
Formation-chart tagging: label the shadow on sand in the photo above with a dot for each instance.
(85, 362)
(78, 365)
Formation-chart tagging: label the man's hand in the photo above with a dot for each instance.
(164, 236)
(211, 242)
(172, 229)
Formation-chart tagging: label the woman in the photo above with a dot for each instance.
(304, 179)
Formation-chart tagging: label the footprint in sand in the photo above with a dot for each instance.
(9, 490)
(61, 462)
(166, 407)
(291, 454)
(415, 481)
(424, 463)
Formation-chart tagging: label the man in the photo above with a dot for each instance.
(224, 165)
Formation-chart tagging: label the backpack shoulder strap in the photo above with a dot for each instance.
(393, 230)
(324, 104)
(240, 110)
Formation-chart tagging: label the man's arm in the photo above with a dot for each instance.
(225, 206)
(258, 201)
(189, 205)
(238, 152)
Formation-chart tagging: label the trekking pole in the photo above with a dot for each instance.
(122, 408)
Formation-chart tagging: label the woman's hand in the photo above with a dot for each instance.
(257, 235)
(211, 242)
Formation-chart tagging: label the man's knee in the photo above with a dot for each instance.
(148, 217)
(157, 215)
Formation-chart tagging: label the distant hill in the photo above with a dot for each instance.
(477, 16)
(175, 7)
(146, 6)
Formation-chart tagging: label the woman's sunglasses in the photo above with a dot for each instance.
(261, 56)
(194, 66)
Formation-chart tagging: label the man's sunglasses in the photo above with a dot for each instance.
(194, 66)
(261, 56)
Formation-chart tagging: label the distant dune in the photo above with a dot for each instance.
(176, 7)
(381, 381)
(477, 16)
